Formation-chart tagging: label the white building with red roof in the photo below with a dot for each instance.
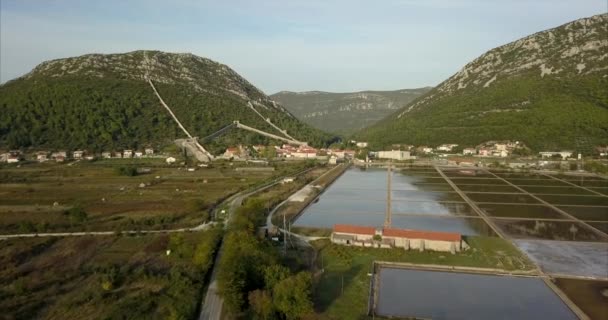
(398, 238)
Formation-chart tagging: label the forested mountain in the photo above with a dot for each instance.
(548, 89)
(99, 102)
(345, 113)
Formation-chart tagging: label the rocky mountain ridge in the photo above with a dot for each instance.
(547, 90)
(345, 112)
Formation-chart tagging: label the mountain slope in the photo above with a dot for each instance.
(345, 112)
(103, 102)
(547, 89)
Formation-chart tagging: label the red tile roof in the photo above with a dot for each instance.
(427, 235)
(346, 228)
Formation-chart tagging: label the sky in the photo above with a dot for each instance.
(325, 45)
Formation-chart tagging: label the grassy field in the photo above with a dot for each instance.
(105, 277)
(342, 288)
(35, 197)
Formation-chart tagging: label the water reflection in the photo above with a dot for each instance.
(454, 295)
(359, 197)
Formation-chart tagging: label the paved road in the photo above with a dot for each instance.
(200, 227)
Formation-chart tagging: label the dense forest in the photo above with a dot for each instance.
(111, 111)
(545, 115)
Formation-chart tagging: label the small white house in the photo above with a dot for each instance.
(394, 155)
(446, 147)
(469, 151)
(127, 153)
(139, 154)
(106, 155)
(78, 154)
(170, 160)
(12, 159)
(149, 151)
(42, 156)
(288, 180)
(549, 154)
(333, 160)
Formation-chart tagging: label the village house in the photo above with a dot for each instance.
(305, 153)
(12, 159)
(549, 154)
(118, 154)
(287, 180)
(62, 154)
(500, 153)
(77, 155)
(397, 238)
(332, 160)
(127, 153)
(361, 144)
(425, 149)
(232, 152)
(89, 157)
(500, 146)
(446, 147)
(485, 152)
(349, 153)
(139, 154)
(469, 151)
(42, 156)
(149, 151)
(59, 159)
(106, 155)
(395, 155)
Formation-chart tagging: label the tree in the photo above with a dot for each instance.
(76, 214)
(274, 274)
(260, 302)
(292, 296)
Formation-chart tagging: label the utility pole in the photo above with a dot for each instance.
(284, 236)
(388, 218)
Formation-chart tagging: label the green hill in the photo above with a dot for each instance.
(549, 90)
(345, 113)
(98, 102)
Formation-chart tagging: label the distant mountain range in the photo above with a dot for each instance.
(345, 113)
(102, 101)
(549, 89)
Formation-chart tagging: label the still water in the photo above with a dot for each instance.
(419, 202)
(453, 295)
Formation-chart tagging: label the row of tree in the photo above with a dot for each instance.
(251, 278)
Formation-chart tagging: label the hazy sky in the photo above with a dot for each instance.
(285, 45)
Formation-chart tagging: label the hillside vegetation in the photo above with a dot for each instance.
(547, 89)
(345, 113)
(101, 102)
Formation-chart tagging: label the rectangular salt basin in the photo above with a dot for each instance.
(587, 213)
(520, 211)
(331, 205)
(585, 259)
(466, 226)
(568, 190)
(538, 182)
(548, 230)
(576, 200)
(442, 295)
(459, 181)
(502, 198)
